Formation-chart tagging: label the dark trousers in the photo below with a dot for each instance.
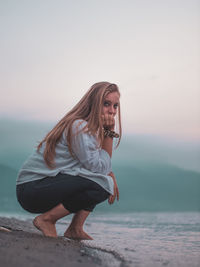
(74, 192)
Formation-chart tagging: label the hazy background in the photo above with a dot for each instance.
(51, 52)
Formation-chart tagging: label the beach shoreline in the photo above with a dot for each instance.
(23, 245)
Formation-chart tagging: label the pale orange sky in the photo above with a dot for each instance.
(53, 51)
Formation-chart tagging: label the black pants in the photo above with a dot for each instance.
(74, 192)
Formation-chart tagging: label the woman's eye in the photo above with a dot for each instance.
(115, 106)
(106, 104)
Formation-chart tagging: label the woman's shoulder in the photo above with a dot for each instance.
(79, 122)
(78, 125)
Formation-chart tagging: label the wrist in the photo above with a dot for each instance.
(109, 127)
(110, 133)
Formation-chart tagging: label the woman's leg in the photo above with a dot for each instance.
(75, 229)
(46, 221)
(57, 197)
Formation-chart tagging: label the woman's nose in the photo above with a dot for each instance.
(111, 110)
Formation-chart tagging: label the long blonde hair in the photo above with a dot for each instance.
(89, 108)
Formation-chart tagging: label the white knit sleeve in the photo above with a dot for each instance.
(85, 147)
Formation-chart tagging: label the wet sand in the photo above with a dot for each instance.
(23, 245)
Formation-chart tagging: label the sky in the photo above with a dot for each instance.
(52, 51)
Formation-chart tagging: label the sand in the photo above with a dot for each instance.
(23, 245)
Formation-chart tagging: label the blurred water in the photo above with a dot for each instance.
(153, 173)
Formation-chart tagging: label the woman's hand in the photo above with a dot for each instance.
(111, 198)
(108, 121)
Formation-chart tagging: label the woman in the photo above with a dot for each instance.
(70, 171)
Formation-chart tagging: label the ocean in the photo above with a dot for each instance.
(157, 220)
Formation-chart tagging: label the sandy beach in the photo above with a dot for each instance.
(23, 245)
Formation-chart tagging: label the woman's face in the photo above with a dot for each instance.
(110, 104)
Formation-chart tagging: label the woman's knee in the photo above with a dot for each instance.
(97, 196)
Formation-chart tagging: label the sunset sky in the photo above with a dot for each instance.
(53, 51)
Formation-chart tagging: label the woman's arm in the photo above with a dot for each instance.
(84, 146)
(109, 123)
(108, 145)
(111, 198)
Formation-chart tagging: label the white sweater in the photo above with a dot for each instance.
(90, 161)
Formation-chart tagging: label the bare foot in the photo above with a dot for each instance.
(77, 234)
(46, 227)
